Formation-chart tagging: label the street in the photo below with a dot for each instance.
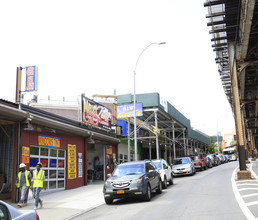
(206, 195)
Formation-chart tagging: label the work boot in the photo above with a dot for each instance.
(19, 204)
(24, 204)
(35, 208)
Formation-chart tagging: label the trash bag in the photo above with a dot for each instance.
(30, 194)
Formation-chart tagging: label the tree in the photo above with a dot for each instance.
(212, 148)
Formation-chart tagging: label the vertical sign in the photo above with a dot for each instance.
(72, 161)
(79, 164)
(31, 78)
(25, 154)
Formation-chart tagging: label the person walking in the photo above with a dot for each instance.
(23, 183)
(38, 182)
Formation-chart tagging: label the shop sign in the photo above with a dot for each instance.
(79, 164)
(109, 149)
(25, 154)
(31, 78)
(96, 114)
(47, 141)
(72, 161)
(127, 110)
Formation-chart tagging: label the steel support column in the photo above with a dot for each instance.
(157, 136)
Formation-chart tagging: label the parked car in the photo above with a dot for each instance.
(219, 159)
(9, 212)
(137, 178)
(225, 158)
(208, 162)
(198, 162)
(183, 166)
(165, 172)
(213, 158)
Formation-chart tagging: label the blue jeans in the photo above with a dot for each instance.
(36, 191)
(23, 190)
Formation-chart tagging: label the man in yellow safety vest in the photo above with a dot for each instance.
(38, 182)
(23, 183)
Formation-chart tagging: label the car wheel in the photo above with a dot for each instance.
(108, 200)
(159, 190)
(192, 173)
(171, 181)
(147, 196)
(165, 183)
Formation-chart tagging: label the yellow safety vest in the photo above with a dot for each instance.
(26, 178)
(38, 178)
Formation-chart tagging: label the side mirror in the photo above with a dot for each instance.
(109, 174)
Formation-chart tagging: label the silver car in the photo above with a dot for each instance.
(183, 166)
(9, 212)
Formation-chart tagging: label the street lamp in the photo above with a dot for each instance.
(134, 100)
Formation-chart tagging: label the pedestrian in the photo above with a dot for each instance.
(38, 182)
(23, 183)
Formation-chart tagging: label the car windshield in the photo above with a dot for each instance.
(196, 158)
(158, 164)
(181, 161)
(129, 169)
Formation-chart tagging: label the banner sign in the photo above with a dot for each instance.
(31, 78)
(47, 141)
(25, 154)
(96, 114)
(72, 161)
(127, 110)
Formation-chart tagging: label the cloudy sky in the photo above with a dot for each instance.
(91, 47)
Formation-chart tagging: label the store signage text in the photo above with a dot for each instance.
(72, 174)
(31, 78)
(127, 110)
(96, 114)
(25, 154)
(48, 141)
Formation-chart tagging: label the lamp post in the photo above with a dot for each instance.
(134, 100)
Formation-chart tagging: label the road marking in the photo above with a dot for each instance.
(252, 203)
(248, 214)
(244, 189)
(250, 195)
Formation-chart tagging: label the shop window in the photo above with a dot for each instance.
(60, 173)
(52, 163)
(61, 154)
(44, 151)
(52, 184)
(52, 174)
(33, 162)
(53, 152)
(44, 162)
(61, 163)
(34, 151)
(61, 184)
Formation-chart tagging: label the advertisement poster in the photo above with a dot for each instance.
(72, 161)
(25, 154)
(79, 164)
(96, 114)
(127, 110)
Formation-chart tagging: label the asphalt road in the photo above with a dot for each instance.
(206, 195)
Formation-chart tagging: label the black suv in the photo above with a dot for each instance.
(137, 178)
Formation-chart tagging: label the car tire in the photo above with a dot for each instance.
(108, 201)
(159, 190)
(171, 181)
(147, 196)
(192, 173)
(165, 183)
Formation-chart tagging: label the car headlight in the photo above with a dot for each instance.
(107, 183)
(137, 180)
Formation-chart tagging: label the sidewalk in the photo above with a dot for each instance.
(67, 204)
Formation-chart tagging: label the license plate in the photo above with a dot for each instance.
(120, 192)
(180, 171)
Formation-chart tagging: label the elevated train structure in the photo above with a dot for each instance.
(234, 31)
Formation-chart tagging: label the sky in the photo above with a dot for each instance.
(91, 47)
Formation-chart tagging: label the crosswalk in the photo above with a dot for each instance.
(246, 193)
